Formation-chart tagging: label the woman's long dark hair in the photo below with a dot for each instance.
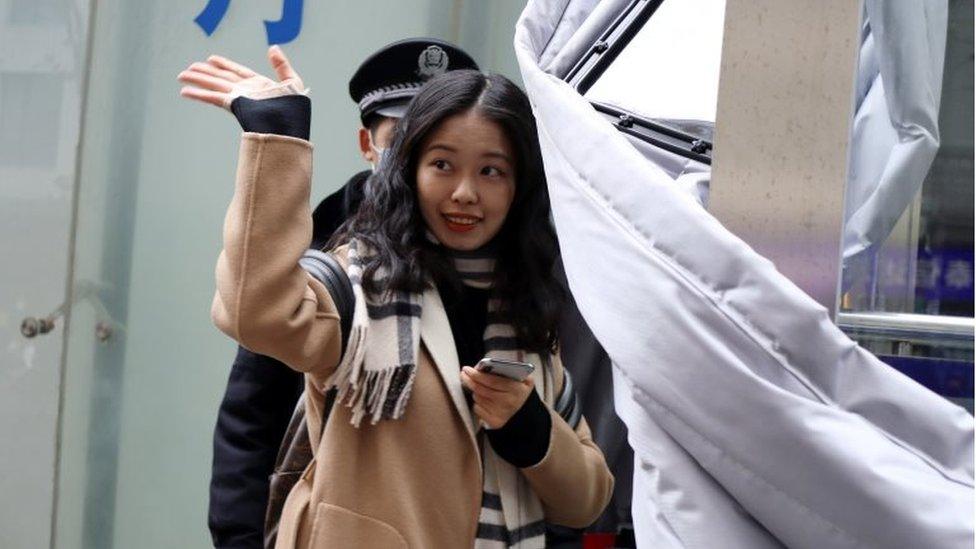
(389, 221)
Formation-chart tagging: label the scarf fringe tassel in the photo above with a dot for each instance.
(377, 394)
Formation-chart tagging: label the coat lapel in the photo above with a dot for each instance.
(435, 331)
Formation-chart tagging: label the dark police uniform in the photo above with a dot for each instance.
(262, 392)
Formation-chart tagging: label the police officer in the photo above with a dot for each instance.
(261, 392)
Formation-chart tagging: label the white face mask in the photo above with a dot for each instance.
(380, 154)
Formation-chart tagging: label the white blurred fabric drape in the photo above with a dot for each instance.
(755, 421)
(895, 132)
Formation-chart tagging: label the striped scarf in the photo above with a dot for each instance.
(377, 371)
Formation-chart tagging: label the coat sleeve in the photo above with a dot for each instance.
(572, 480)
(264, 299)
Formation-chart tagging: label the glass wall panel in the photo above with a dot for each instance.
(42, 70)
(923, 263)
(907, 283)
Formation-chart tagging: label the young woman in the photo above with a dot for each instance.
(450, 258)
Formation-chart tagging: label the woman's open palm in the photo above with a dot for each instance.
(219, 80)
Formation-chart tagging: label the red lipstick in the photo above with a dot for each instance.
(460, 223)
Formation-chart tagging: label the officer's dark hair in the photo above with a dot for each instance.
(372, 121)
(389, 221)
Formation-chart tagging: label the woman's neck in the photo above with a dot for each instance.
(475, 268)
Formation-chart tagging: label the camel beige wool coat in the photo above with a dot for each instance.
(414, 482)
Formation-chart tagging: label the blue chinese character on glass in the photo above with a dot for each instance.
(287, 28)
(212, 14)
(282, 31)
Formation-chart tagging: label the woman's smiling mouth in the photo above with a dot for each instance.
(460, 223)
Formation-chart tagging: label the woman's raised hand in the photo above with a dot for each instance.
(219, 81)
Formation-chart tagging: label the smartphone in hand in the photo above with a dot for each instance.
(512, 369)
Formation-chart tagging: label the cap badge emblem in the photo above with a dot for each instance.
(433, 61)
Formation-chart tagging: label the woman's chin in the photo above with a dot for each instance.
(461, 241)
(461, 245)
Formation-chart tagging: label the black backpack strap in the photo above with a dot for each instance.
(327, 270)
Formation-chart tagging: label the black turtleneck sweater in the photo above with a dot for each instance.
(524, 440)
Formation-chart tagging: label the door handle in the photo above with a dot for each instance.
(105, 327)
(32, 326)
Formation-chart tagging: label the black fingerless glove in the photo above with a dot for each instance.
(524, 440)
(289, 115)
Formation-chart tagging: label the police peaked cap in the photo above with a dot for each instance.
(388, 79)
